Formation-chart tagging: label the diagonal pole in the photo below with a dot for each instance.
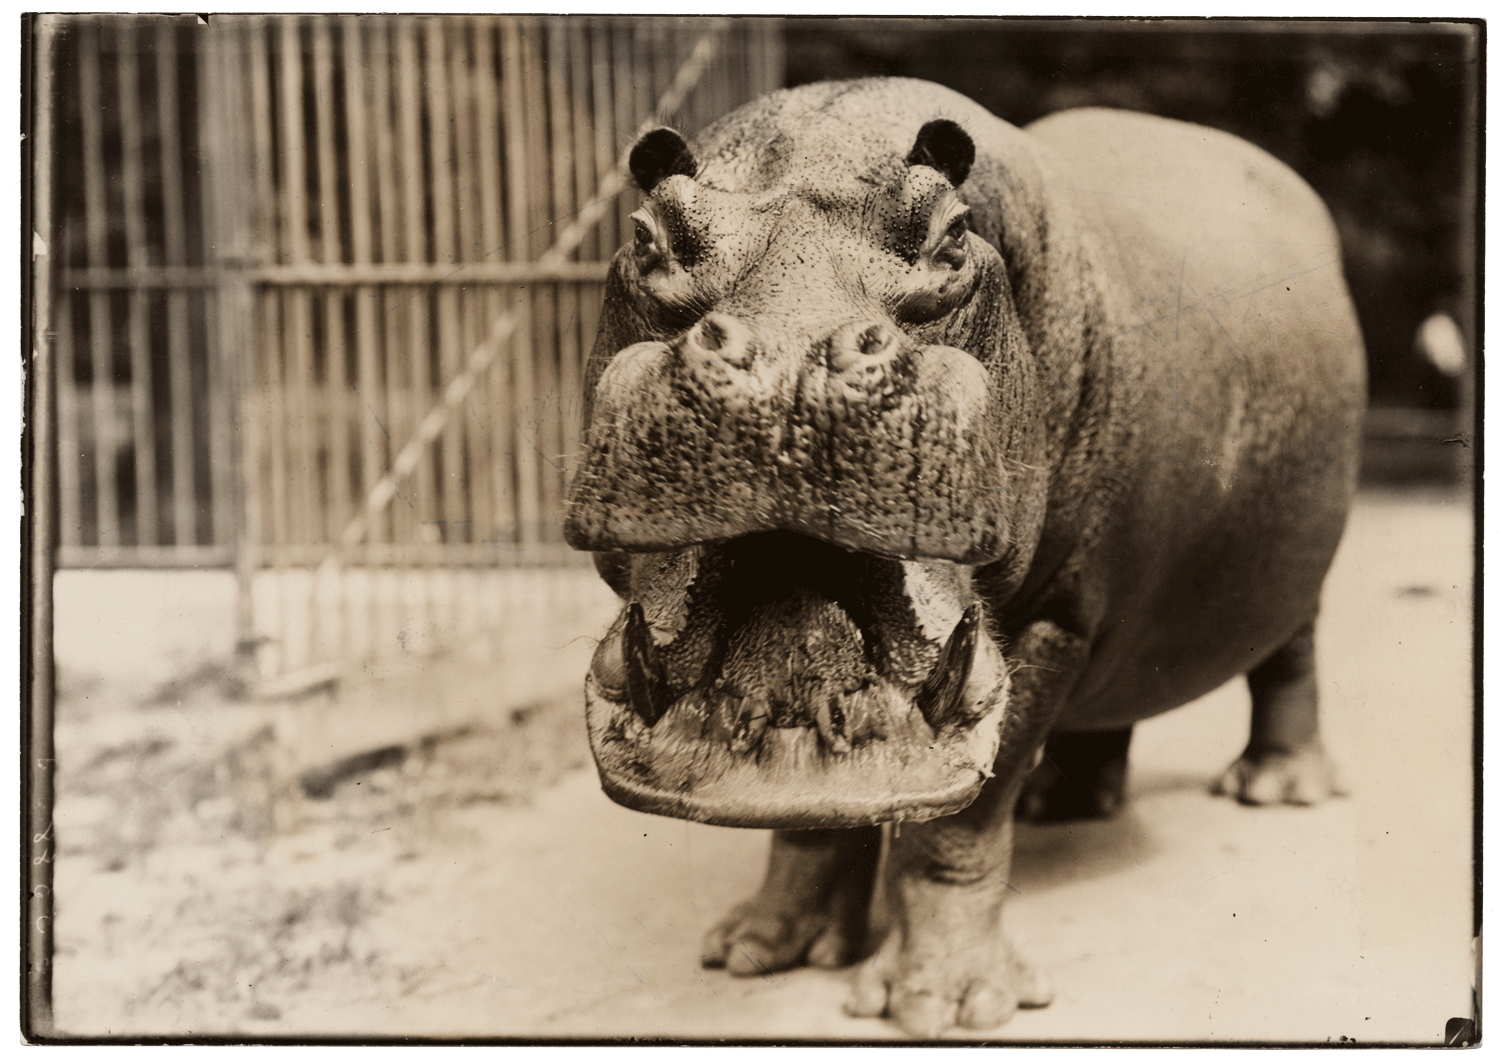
(484, 355)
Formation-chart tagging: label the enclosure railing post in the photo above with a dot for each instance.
(225, 130)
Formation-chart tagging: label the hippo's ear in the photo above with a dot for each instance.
(943, 145)
(658, 155)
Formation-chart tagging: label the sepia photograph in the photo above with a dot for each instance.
(742, 530)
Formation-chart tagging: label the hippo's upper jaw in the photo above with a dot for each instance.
(801, 403)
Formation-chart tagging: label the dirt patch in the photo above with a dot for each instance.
(208, 875)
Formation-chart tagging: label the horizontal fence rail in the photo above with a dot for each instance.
(341, 275)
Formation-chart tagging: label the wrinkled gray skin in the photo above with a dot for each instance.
(1107, 437)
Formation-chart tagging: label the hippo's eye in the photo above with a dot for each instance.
(649, 246)
(953, 247)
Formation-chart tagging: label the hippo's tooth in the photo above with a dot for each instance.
(833, 725)
(645, 680)
(941, 695)
(754, 717)
(608, 666)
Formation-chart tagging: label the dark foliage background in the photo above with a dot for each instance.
(1371, 114)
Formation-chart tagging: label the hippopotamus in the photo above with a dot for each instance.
(918, 444)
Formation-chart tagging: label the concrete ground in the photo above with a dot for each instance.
(1188, 918)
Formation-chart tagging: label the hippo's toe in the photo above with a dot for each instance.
(973, 988)
(1307, 777)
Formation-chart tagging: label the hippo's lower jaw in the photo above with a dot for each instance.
(775, 681)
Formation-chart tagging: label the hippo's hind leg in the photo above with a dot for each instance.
(1284, 760)
(1081, 776)
(813, 908)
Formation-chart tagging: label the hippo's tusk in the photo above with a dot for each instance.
(941, 695)
(608, 666)
(645, 681)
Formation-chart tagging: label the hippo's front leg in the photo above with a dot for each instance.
(946, 961)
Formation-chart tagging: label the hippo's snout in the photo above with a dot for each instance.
(862, 439)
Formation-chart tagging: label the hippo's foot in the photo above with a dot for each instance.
(1081, 776)
(813, 908)
(1305, 777)
(930, 986)
(945, 962)
(1284, 760)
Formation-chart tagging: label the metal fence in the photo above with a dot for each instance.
(142, 475)
(325, 287)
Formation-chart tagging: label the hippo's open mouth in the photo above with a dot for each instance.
(774, 680)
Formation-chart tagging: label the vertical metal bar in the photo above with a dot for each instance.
(659, 74)
(268, 477)
(137, 255)
(544, 429)
(69, 453)
(275, 400)
(335, 357)
(447, 503)
(392, 316)
(296, 308)
(226, 133)
(221, 242)
(732, 56)
(623, 66)
(564, 162)
(174, 216)
(421, 500)
(585, 178)
(333, 408)
(357, 108)
(601, 242)
(471, 248)
(96, 232)
(604, 126)
(441, 148)
(41, 541)
(499, 520)
(267, 401)
(639, 37)
(512, 74)
(409, 94)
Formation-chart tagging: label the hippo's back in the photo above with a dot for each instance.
(1195, 183)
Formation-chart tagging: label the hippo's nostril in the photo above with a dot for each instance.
(710, 336)
(718, 339)
(864, 349)
(874, 340)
